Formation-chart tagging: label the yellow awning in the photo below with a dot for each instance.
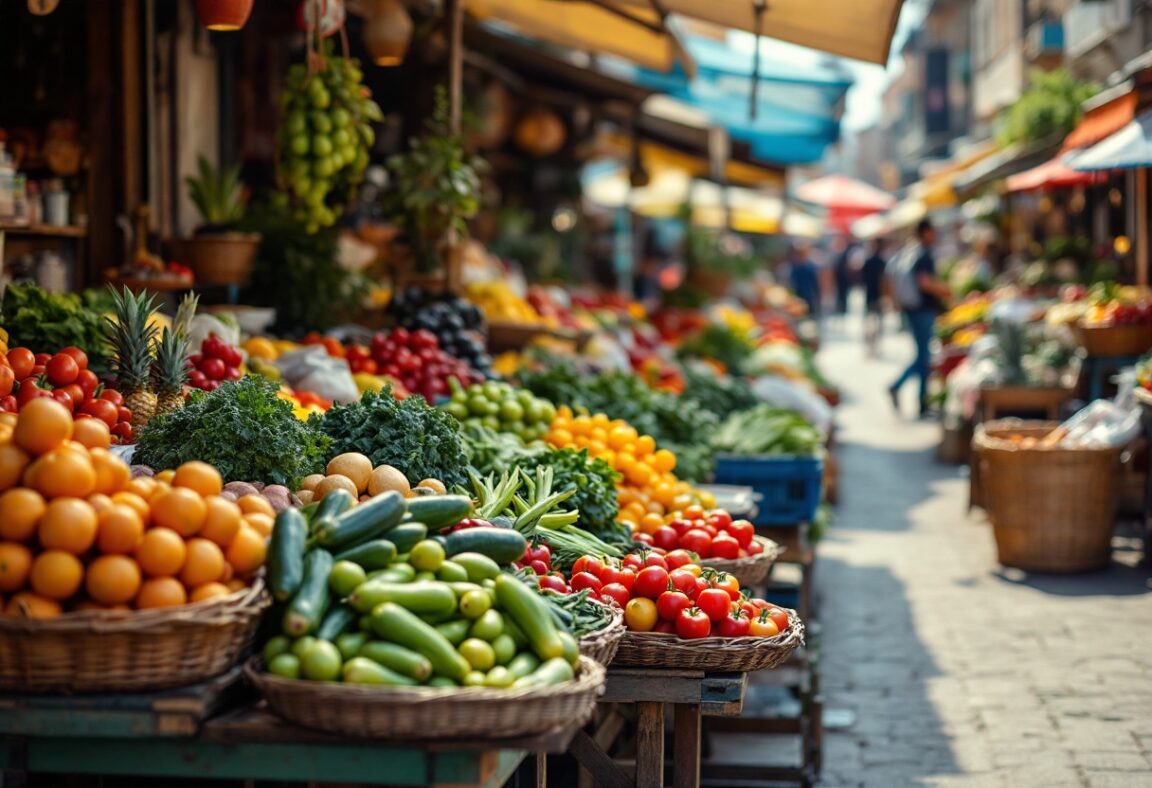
(655, 156)
(935, 189)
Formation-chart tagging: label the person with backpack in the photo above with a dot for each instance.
(921, 295)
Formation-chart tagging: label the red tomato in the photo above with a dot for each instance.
(678, 558)
(683, 581)
(679, 526)
(42, 359)
(540, 552)
(422, 339)
(113, 396)
(21, 360)
(665, 627)
(693, 623)
(640, 614)
(666, 538)
(671, 603)
(64, 398)
(651, 582)
(8, 404)
(212, 347)
(357, 353)
(725, 546)
(123, 414)
(197, 379)
(694, 512)
(655, 559)
(102, 409)
(714, 602)
(30, 390)
(582, 580)
(87, 381)
(735, 625)
(555, 583)
(616, 592)
(233, 373)
(778, 616)
(698, 541)
(754, 548)
(78, 355)
(627, 578)
(539, 567)
(720, 518)
(642, 538)
(742, 531)
(7, 381)
(124, 431)
(634, 562)
(589, 564)
(763, 626)
(62, 370)
(76, 393)
(232, 356)
(729, 584)
(213, 368)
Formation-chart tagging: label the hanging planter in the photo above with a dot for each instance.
(223, 14)
(540, 133)
(387, 32)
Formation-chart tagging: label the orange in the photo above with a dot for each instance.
(650, 522)
(639, 474)
(664, 494)
(235, 584)
(180, 509)
(99, 501)
(598, 435)
(136, 502)
(161, 592)
(113, 579)
(165, 476)
(8, 419)
(561, 437)
(120, 529)
(15, 561)
(64, 472)
(222, 520)
(618, 437)
(143, 486)
(161, 552)
(112, 473)
(208, 591)
(29, 605)
(68, 524)
(92, 433)
(262, 523)
(204, 564)
(664, 461)
(56, 574)
(246, 553)
(199, 476)
(43, 425)
(158, 489)
(85, 604)
(645, 445)
(13, 461)
(20, 510)
(256, 504)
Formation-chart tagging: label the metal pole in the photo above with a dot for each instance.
(1141, 227)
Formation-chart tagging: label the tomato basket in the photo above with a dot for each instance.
(751, 570)
(601, 645)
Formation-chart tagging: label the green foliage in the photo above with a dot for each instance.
(718, 394)
(243, 428)
(723, 343)
(421, 441)
(767, 430)
(1048, 108)
(217, 194)
(710, 250)
(45, 323)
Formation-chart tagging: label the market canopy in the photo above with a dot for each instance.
(1105, 115)
(937, 187)
(1128, 148)
(1056, 173)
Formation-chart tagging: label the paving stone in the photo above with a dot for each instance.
(1111, 761)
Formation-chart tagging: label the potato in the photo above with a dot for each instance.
(387, 478)
(311, 480)
(278, 497)
(303, 498)
(241, 489)
(335, 482)
(354, 466)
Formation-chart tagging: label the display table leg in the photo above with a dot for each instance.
(686, 746)
(649, 745)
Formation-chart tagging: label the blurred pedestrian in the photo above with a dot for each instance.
(872, 274)
(842, 271)
(921, 294)
(804, 278)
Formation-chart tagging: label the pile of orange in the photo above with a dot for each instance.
(647, 489)
(77, 532)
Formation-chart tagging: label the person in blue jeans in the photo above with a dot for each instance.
(934, 292)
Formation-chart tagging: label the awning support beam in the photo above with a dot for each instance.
(759, 6)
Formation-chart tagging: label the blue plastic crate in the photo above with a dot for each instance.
(789, 487)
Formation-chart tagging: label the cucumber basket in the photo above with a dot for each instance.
(386, 712)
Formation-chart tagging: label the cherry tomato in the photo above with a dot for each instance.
(680, 526)
(197, 379)
(232, 356)
(742, 531)
(651, 582)
(42, 359)
(582, 580)
(754, 548)
(763, 626)
(21, 360)
(671, 603)
(64, 398)
(587, 563)
(78, 355)
(720, 518)
(725, 546)
(113, 396)
(727, 583)
(678, 558)
(102, 409)
(539, 567)
(62, 369)
(778, 616)
(642, 538)
(123, 414)
(8, 404)
(683, 581)
(694, 568)
(693, 623)
(735, 625)
(698, 541)
(540, 552)
(212, 347)
(693, 512)
(213, 368)
(554, 583)
(422, 338)
(30, 390)
(123, 430)
(7, 381)
(655, 559)
(640, 614)
(666, 538)
(617, 592)
(76, 393)
(714, 602)
(634, 562)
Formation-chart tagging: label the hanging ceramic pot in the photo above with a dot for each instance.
(223, 14)
(387, 32)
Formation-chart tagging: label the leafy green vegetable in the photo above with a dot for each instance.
(723, 343)
(767, 430)
(593, 480)
(718, 394)
(47, 322)
(419, 440)
(243, 428)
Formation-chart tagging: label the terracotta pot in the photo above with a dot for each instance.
(223, 14)
(224, 259)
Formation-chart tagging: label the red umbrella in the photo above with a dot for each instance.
(839, 193)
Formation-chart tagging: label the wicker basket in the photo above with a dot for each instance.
(1114, 340)
(106, 651)
(373, 712)
(220, 259)
(602, 644)
(655, 650)
(1052, 509)
(752, 570)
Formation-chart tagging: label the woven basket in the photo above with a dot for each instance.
(601, 645)
(374, 712)
(106, 651)
(1052, 509)
(752, 570)
(1114, 340)
(742, 655)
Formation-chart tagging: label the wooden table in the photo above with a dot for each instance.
(692, 695)
(183, 733)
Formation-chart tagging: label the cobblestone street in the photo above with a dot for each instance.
(960, 672)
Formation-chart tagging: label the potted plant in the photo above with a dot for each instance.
(434, 191)
(716, 259)
(217, 252)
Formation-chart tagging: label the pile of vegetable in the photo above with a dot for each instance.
(355, 474)
(457, 324)
(718, 394)
(767, 430)
(711, 534)
(417, 359)
(216, 362)
(35, 318)
(500, 407)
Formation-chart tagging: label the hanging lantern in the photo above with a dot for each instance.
(540, 133)
(223, 14)
(387, 32)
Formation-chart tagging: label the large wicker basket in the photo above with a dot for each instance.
(1126, 340)
(601, 645)
(656, 650)
(129, 651)
(370, 712)
(1052, 509)
(752, 570)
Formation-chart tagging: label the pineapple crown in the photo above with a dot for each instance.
(131, 336)
(170, 370)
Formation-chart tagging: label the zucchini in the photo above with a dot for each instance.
(310, 603)
(452, 572)
(396, 573)
(421, 598)
(334, 504)
(456, 632)
(336, 622)
(367, 521)
(502, 545)
(350, 643)
(404, 661)
(439, 511)
(376, 554)
(286, 554)
(530, 612)
(478, 566)
(361, 670)
(554, 671)
(392, 622)
(406, 536)
(523, 664)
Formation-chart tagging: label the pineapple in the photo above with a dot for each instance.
(170, 372)
(131, 335)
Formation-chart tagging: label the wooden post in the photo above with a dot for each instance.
(1141, 226)
(649, 745)
(686, 746)
(454, 12)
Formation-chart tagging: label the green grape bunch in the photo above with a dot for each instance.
(324, 138)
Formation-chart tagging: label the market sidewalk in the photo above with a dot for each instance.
(960, 672)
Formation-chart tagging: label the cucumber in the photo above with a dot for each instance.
(310, 603)
(554, 671)
(420, 598)
(502, 545)
(334, 504)
(478, 566)
(406, 536)
(439, 511)
(350, 643)
(361, 670)
(404, 661)
(460, 589)
(530, 612)
(367, 521)
(571, 647)
(376, 554)
(442, 682)
(523, 664)
(286, 554)
(336, 622)
(396, 573)
(456, 632)
(452, 572)
(393, 623)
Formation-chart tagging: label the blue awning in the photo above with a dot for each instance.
(1126, 149)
